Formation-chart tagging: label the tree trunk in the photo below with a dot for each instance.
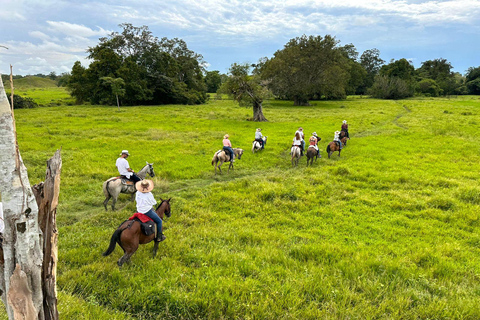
(300, 101)
(118, 103)
(46, 195)
(22, 242)
(258, 112)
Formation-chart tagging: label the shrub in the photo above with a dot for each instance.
(429, 87)
(20, 102)
(386, 87)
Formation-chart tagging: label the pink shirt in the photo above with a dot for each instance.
(227, 143)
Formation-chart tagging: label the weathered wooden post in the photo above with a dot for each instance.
(27, 276)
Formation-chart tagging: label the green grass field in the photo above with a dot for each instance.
(389, 230)
(43, 91)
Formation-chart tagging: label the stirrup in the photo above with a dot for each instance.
(160, 238)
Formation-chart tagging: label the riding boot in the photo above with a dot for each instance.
(160, 237)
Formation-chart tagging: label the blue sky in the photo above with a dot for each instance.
(50, 35)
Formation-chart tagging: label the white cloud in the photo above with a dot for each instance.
(77, 30)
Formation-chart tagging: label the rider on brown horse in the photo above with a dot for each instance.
(124, 168)
(337, 139)
(345, 128)
(314, 142)
(145, 201)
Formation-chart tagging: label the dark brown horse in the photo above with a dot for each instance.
(332, 147)
(312, 154)
(343, 137)
(129, 235)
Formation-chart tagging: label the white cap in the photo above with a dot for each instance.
(125, 151)
(344, 121)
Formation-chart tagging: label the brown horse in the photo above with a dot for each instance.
(129, 235)
(312, 154)
(221, 156)
(332, 147)
(343, 137)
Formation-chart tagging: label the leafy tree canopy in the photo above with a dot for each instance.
(154, 71)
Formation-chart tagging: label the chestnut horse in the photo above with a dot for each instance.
(343, 137)
(332, 147)
(129, 235)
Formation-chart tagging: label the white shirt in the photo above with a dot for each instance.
(2, 224)
(337, 137)
(258, 135)
(123, 166)
(297, 142)
(145, 201)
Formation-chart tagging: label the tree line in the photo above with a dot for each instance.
(135, 67)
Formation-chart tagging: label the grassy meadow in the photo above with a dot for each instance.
(389, 230)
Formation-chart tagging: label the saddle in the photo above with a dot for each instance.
(227, 153)
(337, 142)
(124, 180)
(147, 225)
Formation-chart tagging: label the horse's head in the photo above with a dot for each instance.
(150, 169)
(239, 153)
(164, 208)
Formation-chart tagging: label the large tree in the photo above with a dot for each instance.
(154, 71)
(307, 67)
(246, 88)
(472, 80)
(371, 62)
(439, 70)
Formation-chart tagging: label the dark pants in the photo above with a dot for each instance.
(134, 178)
(152, 215)
(339, 143)
(229, 149)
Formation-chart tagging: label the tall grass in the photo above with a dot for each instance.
(389, 230)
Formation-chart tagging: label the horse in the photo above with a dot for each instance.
(256, 145)
(312, 154)
(129, 235)
(343, 137)
(332, 147)
(113, 186)
(296, 153)
(221, 156)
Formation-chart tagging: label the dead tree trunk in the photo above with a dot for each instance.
(258, 112)
(22, 242)
(46, 195)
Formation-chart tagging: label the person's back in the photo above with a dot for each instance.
(145, 201)
(122, 166)
(227, 145)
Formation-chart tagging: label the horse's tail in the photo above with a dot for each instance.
(328, 148)
(113, 241)
(105, 188)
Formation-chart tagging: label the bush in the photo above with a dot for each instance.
(386, 87)
(20, 102)
(429, 87)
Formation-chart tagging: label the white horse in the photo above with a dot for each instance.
(256, 145)
(114, 186)
(221, 156)
(296, 153)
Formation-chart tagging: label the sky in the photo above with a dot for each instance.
(50, 35)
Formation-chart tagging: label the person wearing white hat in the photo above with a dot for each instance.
(124, 168)
(336, 138)
(145, 202)
(259, 137)
(345, 128)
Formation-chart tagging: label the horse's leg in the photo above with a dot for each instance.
(220, 167)
(155, 248)
(106, 201)
(129, 251)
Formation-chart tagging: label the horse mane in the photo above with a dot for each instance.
(160, 205)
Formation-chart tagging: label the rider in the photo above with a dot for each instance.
(345, 128)
(314, 142)
(145, 201)
(337, 139)
(124, 168)
(297, 140)
(259, 137)
(227, 145)
(302, 138)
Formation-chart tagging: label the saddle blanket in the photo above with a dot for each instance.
(146, 224)
(226, 154)
(124, 180)
(140, 216)
(314, 147)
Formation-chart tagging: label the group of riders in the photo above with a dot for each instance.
(144, 198)
(299, 139)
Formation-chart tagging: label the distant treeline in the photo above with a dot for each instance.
(141, 69)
